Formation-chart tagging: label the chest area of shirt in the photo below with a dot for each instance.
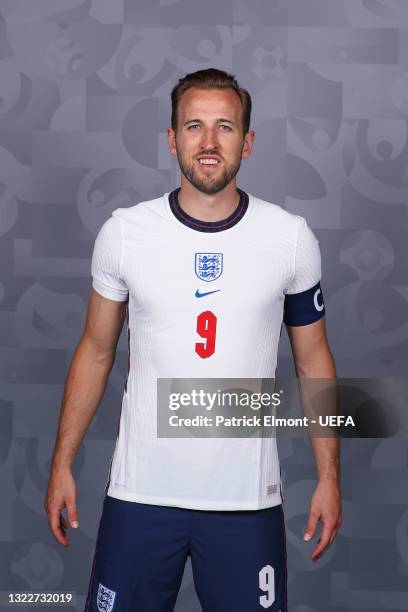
(171, 275)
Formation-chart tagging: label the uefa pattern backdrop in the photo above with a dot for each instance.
(84, 106)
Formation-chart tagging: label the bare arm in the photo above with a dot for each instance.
(84, 388)
(313, 359)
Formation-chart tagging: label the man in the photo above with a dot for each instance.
(203, 275)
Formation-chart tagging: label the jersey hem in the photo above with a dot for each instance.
(274, 500)
(109, 293)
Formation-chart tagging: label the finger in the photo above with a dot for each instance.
(323, 541)
(311, 526)
(58, 532)
(72, 513)
(334, 534)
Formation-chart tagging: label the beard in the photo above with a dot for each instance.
(208, 184)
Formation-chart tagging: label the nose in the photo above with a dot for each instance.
(209, 138)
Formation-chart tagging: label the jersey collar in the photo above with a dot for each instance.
(208, 226)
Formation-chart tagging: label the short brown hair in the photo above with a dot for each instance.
(210, 78)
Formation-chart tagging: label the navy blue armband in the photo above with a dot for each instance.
(304, 308)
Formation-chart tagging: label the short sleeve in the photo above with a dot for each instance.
(307, 264)
(304, 302)
(106, 261)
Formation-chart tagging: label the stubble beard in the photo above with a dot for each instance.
(208, 185)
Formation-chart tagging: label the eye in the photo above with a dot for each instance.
(227, 127)
(193, 125)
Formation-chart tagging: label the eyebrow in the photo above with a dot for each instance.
(221, 120)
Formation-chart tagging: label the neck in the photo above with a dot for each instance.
(204, 207)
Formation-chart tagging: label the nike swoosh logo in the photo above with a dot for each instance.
(198, 294)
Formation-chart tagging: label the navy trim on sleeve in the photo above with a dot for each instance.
(305, 307)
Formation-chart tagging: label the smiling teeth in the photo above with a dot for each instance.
(208, 161)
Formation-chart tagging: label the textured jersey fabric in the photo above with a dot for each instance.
(147, 254)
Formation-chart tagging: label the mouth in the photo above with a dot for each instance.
(208, 163)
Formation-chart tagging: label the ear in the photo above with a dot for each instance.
(248, 144)
(171, 138)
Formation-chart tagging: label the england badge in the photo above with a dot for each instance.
(105, 599)
(208, 266)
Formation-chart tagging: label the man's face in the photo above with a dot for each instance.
(210, 129)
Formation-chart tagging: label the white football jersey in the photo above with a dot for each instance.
(248, 271)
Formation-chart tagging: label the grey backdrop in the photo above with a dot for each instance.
(84, 106)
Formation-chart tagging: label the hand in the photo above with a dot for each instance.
(61, 493)
(325, 506)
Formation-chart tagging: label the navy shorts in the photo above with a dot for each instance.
(238, 558)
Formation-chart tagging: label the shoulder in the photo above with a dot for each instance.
(140, 211)
(273, 220)
(271, 211)
(144, 222)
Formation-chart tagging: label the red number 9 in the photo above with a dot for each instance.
(206, 328)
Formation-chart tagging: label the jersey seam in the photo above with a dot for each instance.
(296, 250)
(122, 247)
